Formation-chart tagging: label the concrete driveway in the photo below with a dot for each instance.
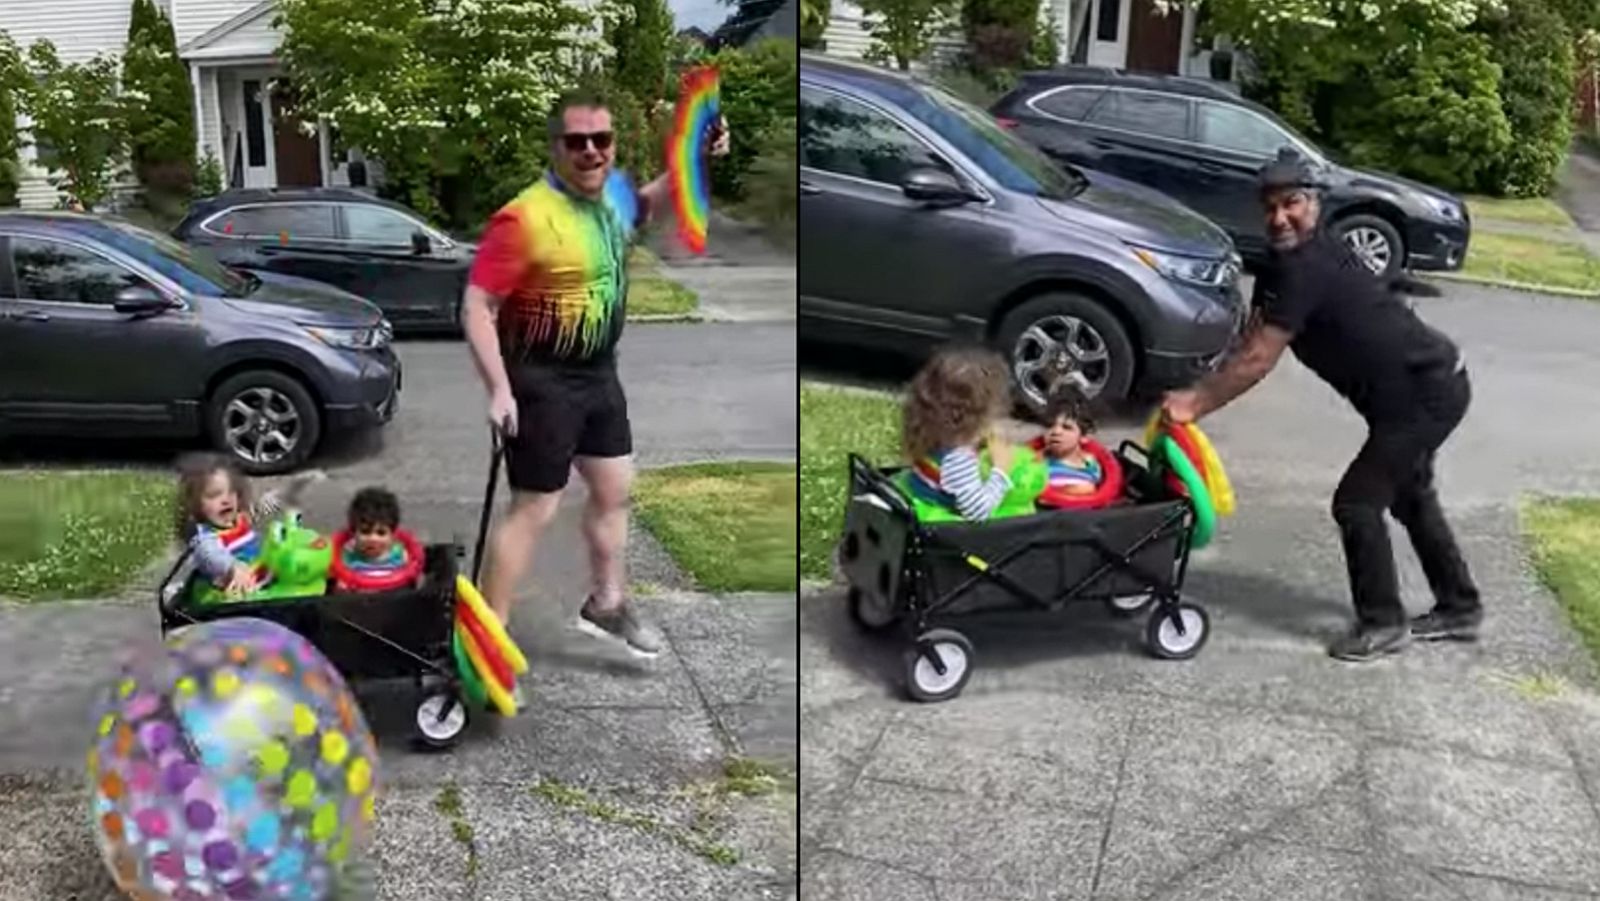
(645, 744)
(1075, 767)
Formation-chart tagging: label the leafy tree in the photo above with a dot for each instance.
(12, 76)
(1535, 51)
(814, 15)
(159, 105)
(452, 95)
(902, 30)
(642, 37)
(77, 122)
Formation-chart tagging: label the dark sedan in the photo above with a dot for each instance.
(107, 329)
(371, 248)
(922, 220)
(1200, 143)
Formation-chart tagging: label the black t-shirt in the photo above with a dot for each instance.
(1360, 336)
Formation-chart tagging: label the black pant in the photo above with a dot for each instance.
(1394, 472)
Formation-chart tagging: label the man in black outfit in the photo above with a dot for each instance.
(1407, 381)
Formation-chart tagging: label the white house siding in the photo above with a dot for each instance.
(846, 36)
(249, 38)
(79, 29)
(193, 18)
(209, 123)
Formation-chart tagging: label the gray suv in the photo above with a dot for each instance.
(107, 329)
(922, 220)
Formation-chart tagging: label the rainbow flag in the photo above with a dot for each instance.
(698, 113)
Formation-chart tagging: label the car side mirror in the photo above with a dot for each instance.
(934, 186)
(420, 243)
(140, 300)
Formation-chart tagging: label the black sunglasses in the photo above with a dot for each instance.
(577, 142)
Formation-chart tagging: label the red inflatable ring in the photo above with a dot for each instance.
(1110, 483)
(347, 579)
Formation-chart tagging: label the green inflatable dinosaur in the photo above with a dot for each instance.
(1029, 476)
(298, 558)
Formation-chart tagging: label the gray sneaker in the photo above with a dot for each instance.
(620, 625)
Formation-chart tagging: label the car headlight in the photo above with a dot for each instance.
(372, 338)
(1207, 272)
(1448, 210)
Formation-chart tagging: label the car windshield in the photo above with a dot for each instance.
(1009, 160)
(192, 269)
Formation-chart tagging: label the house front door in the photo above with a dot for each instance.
(299, 154)
(1155, 41)
(256, 118)
(1108, 33)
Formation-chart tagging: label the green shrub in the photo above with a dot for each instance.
(772, 185)
(208, 177)
(999, 32)
(1534, 49)
(758, 93)
(159, 106)
(1432, 112)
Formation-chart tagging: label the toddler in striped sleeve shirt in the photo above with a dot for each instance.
(952, 410)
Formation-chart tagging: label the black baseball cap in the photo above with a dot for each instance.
(1290, 170)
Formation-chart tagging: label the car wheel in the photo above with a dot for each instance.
(1062, 338)
(265, 421)
(1375, 243)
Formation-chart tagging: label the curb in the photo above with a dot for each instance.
(1528, 287)
(695, 316)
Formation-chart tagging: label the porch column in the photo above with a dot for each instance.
(223, 151)
(324, 151)
(199, 113)
(1186, 42)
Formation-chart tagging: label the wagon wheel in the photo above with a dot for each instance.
(1177, 632)
(1129, 605)
(441, 719)
(871, 611)
(929, 679)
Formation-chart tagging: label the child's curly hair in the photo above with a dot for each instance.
(194, 473)
(1067, 402)
(953, 400)
(374, 507)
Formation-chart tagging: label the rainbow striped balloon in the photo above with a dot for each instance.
(698, 113)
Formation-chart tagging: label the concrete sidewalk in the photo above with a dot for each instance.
(647, 742)
(1076, 767)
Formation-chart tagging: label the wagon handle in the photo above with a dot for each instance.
(864, 478)
(498, 452)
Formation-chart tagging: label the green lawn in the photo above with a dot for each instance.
(730, 526)
(79, 534)
(834, 423)
(1565, 538)
(650, 293)
(1532, 261)
(1521, 210)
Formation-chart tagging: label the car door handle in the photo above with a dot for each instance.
(808, 189)
(32, 315)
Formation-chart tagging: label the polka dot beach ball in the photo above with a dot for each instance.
(234, 766)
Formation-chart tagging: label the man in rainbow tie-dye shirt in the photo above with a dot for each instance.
(543, 311)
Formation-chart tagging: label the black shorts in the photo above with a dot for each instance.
(564, 412)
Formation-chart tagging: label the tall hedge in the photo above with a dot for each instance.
(160, 105)
(643, 43)
(1431, 111)
(760, 88)
(1534, 49)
